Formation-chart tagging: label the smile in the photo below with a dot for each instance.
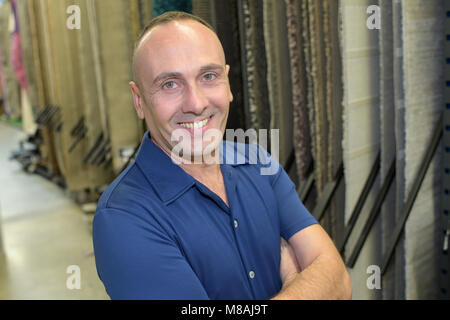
(194, 125)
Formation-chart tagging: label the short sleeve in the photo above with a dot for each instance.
(292, 213)
(136, 260)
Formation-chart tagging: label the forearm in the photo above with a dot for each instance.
(324, 278)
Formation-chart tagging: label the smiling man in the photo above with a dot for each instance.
(169, 229)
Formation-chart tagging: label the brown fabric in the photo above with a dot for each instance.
(225, 19)
(254, 63)
(318, 75)
(302, 139)
(334, 94)
(202, 9)
(278, 75)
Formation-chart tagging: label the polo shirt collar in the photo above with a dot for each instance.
(168, 179)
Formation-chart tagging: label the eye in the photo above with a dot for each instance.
(209, 76)
(170, 85)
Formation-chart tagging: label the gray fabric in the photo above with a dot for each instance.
(422, 32)
(387, 121)
(399, 257)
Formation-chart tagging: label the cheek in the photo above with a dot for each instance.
(163, 110)
(221, 100)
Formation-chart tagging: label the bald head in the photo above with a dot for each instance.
(174, 32)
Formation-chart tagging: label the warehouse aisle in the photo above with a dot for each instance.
(43, 232)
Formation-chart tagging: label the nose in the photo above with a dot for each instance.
(195, 100)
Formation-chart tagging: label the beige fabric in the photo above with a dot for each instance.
(360, 56)
(12, 89)
(114, 25)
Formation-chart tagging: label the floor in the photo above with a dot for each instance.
(43, 234)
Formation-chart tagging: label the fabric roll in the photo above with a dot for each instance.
(399, 255)
(318, 75)
(28, 46)
(42, 69)
(92, 95)
(226, 23)
(360, 63)
(332, 25)
(278, 75)
(11, 90)
(16, 51)
(302, 138)
(125, 128)
(203, 9)
(145, 10)
(254, 62)
(387, 130)
(423, 27)
(309, 81)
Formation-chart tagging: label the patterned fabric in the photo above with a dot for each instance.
(252, 45)
(302, 139)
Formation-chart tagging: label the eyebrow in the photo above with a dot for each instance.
(165, 75)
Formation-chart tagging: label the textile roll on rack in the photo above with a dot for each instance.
(361, 142)
(278, 74)
(254, 65)
(387, 130)
(302, 138)
(422, 78)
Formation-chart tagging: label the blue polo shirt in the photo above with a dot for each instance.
(160, 234)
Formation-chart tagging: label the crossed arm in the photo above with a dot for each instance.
(312, 268)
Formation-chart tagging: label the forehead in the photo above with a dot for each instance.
(177, 46)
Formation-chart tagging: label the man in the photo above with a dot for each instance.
(172, 228)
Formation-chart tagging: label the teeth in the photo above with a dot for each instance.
(194, 125)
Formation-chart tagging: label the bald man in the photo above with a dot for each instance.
(174, 226)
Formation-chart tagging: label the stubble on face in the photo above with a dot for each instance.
(178, 51)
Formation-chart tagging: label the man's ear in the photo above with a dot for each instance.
(137, 99)
(230, 94)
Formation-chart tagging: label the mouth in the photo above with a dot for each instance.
(195, 125)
